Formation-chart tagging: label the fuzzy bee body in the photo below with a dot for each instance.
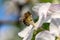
(27, 18)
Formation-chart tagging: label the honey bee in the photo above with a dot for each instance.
(27, 20)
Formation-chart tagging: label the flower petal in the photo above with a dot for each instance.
(54, 26)
(26, 33)
(44, 35)
(41, 11)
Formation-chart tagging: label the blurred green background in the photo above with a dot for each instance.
(44, 1)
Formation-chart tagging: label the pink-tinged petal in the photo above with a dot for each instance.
(42, 13)
(54, 26)
(55, 7)
(44, 35)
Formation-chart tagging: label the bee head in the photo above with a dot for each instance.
(27, 18)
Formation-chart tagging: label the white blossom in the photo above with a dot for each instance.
(28, 32)
(41, 11)
(45, 13)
